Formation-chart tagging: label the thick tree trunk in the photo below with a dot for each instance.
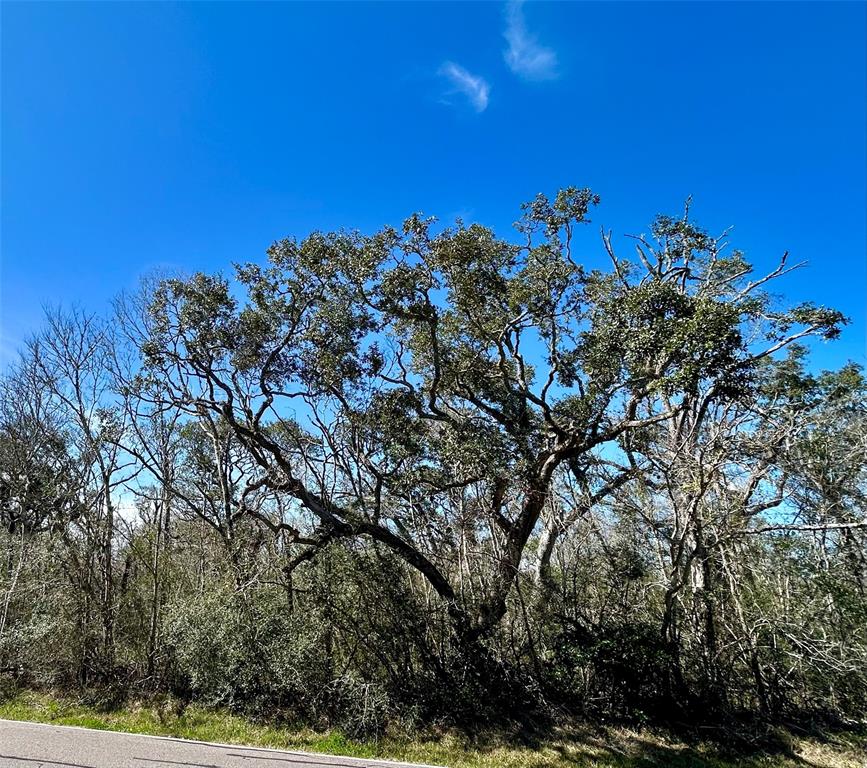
(494, 608)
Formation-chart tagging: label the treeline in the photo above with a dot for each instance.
(432, 475)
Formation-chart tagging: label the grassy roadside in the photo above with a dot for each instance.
(577, 747)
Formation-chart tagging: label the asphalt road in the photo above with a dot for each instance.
(33, 745)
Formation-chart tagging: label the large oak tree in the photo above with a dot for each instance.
(423, 387)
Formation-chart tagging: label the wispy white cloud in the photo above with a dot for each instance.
(525, 56)
(474, 87)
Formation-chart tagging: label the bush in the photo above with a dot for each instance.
(620, 669)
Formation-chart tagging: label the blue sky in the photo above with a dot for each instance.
(138, 136)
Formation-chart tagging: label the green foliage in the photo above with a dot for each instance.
(435, 475)
(620, 670)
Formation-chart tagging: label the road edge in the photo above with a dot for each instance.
(360, 761)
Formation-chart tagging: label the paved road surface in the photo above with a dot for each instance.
(33, 745)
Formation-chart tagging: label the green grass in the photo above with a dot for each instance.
(573, 747)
